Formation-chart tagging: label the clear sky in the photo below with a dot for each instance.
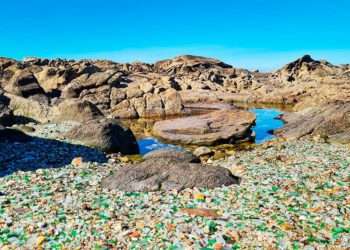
(260, 34)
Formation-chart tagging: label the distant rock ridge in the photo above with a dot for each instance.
(306, 68)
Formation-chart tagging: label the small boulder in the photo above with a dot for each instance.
(202, 151)
(75, 110)
(105, 134)
(340, 138)
(167, 173)
(117, 96)
(124, 110)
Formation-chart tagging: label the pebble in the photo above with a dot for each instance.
(293, 195)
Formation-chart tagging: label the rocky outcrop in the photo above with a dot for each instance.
(149, 105)
(307, 83)
(168, 173)
(124, 90)
(40, 88)
(308, 69)
(223, 126)
(106, 84)
(105, 134)
(331, 121)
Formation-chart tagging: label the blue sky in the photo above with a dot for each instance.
(261, 34)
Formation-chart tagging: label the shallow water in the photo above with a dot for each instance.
(266, 121)
(149, 144)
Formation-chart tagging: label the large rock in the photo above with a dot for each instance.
(105, 134)
(52, 78)
(172, 103)
(332, 120)
(25, 84)
(89, 81)
(75, 110)
(168, 173)
(27, 108)
(124, 110)
(68, 110)
(5, 112)
(223, 126)
(149, 105)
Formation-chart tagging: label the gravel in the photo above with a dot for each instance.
(293, 195)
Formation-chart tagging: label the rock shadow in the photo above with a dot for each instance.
(20, 152)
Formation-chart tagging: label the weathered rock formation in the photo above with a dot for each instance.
(330, 121)
(41, 89)
(222, 126)
(168, 173)
(28, 108)
(307, 82)
(122, 90)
